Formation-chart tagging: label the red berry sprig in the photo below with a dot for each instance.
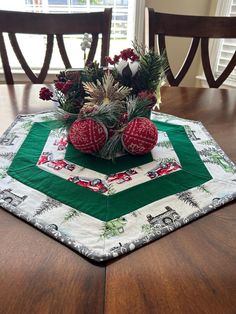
(45, 93)
(64, 87)
(126, 54)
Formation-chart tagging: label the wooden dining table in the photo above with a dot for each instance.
(191, 270)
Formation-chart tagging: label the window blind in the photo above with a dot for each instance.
(121, 23)
(227, 48)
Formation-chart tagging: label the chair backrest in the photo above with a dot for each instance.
(52, 25)
(200, 29)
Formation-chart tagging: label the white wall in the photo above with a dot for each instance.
(178, 47)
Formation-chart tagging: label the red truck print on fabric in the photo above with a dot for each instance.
(163, 169)
(96, 185)
(60, 164)
(45, 157)
(121, 177)
(61, 143)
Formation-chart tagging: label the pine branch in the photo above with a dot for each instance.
(92, 72)
(107, 114)
(72, 102)
(138, 107)
(139, 49)
(152, 68)
(112, 147)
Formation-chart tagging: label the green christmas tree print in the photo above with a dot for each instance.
(8, 155)
(27, 125)
(71, 214)
(147, 229)
(187, 198)
(214, 156)
(47, 205)
(203, 189)
(3, 172)
(165, 144)
(207, 142)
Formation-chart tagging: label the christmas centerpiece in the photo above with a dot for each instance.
(110, 107)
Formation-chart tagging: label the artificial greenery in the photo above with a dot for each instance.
(114, 95)
(113, 147)
(92, 73)
(138, 107)
(108, 115)
(151, 70)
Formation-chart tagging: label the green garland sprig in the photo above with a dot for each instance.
(151, 71)
(138, 107)
(113, 146)
(106, 114)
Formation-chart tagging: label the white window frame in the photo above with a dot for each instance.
(222, 9)
(139, 22)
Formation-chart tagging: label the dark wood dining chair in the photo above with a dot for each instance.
(52, 25)
(200, 29)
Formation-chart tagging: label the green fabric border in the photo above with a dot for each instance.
(106, 166)
(24, 169)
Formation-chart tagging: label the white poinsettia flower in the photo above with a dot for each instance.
(121, 65)
(133, 66)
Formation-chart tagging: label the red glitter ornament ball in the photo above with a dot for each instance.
(88, 135)
(140, 136)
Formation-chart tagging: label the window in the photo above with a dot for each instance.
(225, 47)
(125, 28)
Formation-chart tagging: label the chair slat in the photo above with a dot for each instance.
(93, 48)
(43, 72)
(206, 62)
(188, 61)
(13, 22)
(227, 71)
(48, 55)
(5, 62)
(200, 29)
(62, 49)
(176, 80)
(162, 47)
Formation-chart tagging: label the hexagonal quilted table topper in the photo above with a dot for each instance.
(104, 208)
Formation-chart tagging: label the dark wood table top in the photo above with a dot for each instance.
(192, 270)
